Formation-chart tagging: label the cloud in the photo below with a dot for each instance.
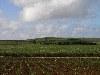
(7, 27)
(59, 19)
(6, 24)
(34, 10)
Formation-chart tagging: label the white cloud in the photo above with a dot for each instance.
(7, 26)
(55, 13)
(33, 10)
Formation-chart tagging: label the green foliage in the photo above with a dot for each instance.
(63, 41)
(49, 46)
(49, 50)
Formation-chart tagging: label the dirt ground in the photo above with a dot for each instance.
(49, 66)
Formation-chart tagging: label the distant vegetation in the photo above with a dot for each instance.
(62, 41)
(53, 41)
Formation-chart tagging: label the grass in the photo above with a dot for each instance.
(49, 50)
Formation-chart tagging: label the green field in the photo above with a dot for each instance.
(49, 50)
(51, 47)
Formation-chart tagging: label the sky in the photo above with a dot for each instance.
(28, 19)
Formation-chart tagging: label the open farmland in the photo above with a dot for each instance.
(49, 66)
(28, 58)
(49, 50)
(51, 47)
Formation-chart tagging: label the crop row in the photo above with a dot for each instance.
(47, 66)
(49, 50)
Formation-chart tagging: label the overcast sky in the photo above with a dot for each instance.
(26, 19)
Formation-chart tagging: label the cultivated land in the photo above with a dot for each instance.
(51, 47)
(37, 50)
(49, 58)
(49, 66)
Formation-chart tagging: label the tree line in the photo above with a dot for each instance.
(62, 41)
(51, 40)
